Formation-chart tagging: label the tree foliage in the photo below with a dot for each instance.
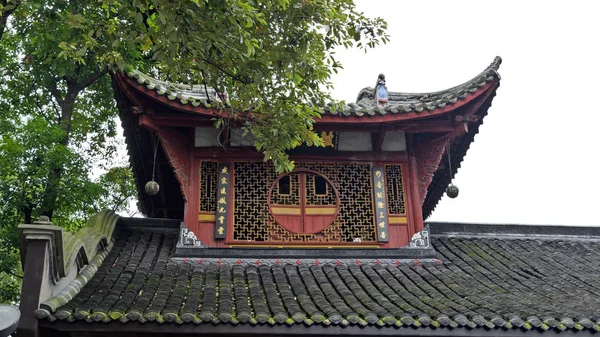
(271, 59)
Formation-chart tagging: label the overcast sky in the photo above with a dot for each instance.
(534, 160)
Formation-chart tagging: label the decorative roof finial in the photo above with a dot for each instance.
(381, 92)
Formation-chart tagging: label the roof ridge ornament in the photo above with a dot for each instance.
(420, 239)
(187, 238)
(381, 92)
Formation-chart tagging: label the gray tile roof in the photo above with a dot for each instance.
(399, 102)
(476, 282)
(196, 95)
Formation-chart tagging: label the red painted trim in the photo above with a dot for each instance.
(148, 123)
(423, 126)
(426, 127)
(409, 211)
(245, 154)
(287, 243)
(417, 208)
(433, 126)
(177, 155)
(231, 210)
(385, 180)
(389, 117)
(127, 90)
(458, 131)
(192, 207)
(171, 120)
(175, 104)
(482, 100)
(205, 228)
(302, 181)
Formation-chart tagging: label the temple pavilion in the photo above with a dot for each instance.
(338, 246)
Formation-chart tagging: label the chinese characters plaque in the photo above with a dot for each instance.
(222, 202)
(380, 204)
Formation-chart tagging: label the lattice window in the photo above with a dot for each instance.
(395, 189)
(253, 222)
(354, 185)
(291, 198)
(314, 198)
(251, 186)
(208, 186)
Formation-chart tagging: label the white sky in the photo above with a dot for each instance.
(534, 160)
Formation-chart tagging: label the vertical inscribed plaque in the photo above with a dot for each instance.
(380, 204)
(223, 209)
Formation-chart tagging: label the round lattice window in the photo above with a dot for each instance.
(303, 202)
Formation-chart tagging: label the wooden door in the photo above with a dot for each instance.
(303, 202)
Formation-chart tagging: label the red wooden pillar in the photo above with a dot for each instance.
(191, 207)
(416, 209)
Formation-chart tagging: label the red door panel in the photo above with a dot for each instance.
(303, 217)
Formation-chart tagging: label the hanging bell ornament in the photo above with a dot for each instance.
(152, 187)
(452, 191)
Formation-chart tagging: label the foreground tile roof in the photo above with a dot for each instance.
(490, 283)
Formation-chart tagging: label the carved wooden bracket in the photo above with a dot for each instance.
(177, 154)
(176, 149)
(428, 158)
(429, 155)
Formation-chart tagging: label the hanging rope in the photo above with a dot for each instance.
(154, 162)
(451, 190)
(449, 162)
(152, 186)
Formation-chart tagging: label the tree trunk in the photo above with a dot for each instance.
(28, 211)
(67, 106)
(5, 15)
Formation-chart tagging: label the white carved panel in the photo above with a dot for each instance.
(206, 137)
(394, 141)
(239, 139)
(355, 141)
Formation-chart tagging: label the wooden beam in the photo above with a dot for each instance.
(149, 123)
(436, 126)
(119, 83)
(243, 153)
(416, 225)
(459, 130)
(473, 109)
(176, 120)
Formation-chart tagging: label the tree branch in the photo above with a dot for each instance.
(92, 79)
(13, 274)
(119, 203)
(55, 92)
(234, 77)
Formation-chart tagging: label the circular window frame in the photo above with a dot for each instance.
(303, 202)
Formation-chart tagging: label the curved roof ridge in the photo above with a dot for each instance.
(366, 105)
(491, 70)
(405, 101)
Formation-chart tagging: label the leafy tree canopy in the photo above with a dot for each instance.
(272, 58)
